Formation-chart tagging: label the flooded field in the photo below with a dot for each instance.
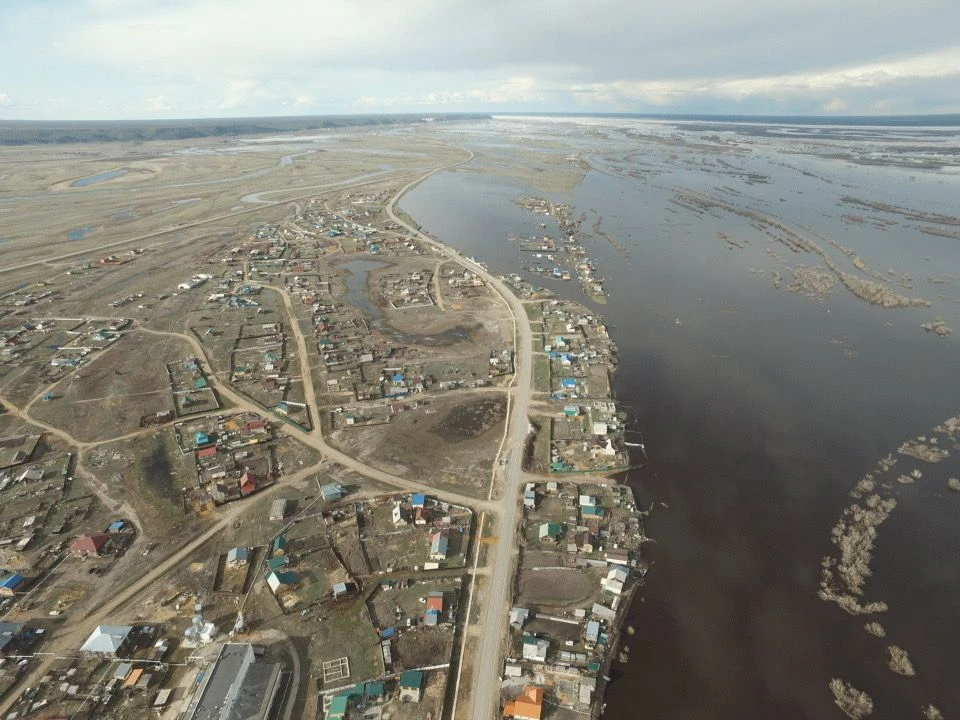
(775, 293)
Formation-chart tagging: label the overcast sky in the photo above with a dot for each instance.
(101, 59)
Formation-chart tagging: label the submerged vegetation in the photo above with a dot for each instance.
(875, 629)
(899, 661)
(844, 574)
(854, 703)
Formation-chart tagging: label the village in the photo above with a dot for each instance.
(286, 383)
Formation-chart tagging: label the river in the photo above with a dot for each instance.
(760, 408)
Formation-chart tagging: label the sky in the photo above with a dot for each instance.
(145, 59)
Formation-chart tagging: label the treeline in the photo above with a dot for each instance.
(28, 132)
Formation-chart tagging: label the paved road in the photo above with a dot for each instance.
(488, 656)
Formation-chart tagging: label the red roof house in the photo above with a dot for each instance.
(87, 545)
(248, 484)
(207, 453)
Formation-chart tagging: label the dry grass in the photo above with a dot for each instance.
(854, 703)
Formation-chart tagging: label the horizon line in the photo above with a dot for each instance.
(483, 114)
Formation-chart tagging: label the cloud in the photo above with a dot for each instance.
(836, 105)
(220, 57)
(939, 65)
(157, 104)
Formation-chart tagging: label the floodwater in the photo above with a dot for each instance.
(79, 233)
(358, 294)
(761, 409)
(99, 178)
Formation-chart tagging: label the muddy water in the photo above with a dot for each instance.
(760, 411)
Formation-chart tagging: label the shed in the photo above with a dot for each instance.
(117, 526)
(134, 677)
(418, 500)
(331, 492)
(238, 556)
(10, 584)
(279, 545)
(278, 509)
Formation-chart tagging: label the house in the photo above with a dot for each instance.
(279, 546)
(238, 557)
(528, 706)
(434, 608)
(592, 633)
(615, 579)
(10, 584)
(411, 686)
(201, 438)
(89, 545)
(439, 545)
(550, 531)
(280, 581)
(331, 492)
(603, 612)
(374, 691)
(618, 557)
(109, 641)
(398, 518)
(588, 501)
(207, 453)
(530, 496)
(248, 484)
(435, 601)
(421, 516)
(590, 512)
(277, 563)
(255, 426)
(418, 500)
(339, 705)
(535, 649)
